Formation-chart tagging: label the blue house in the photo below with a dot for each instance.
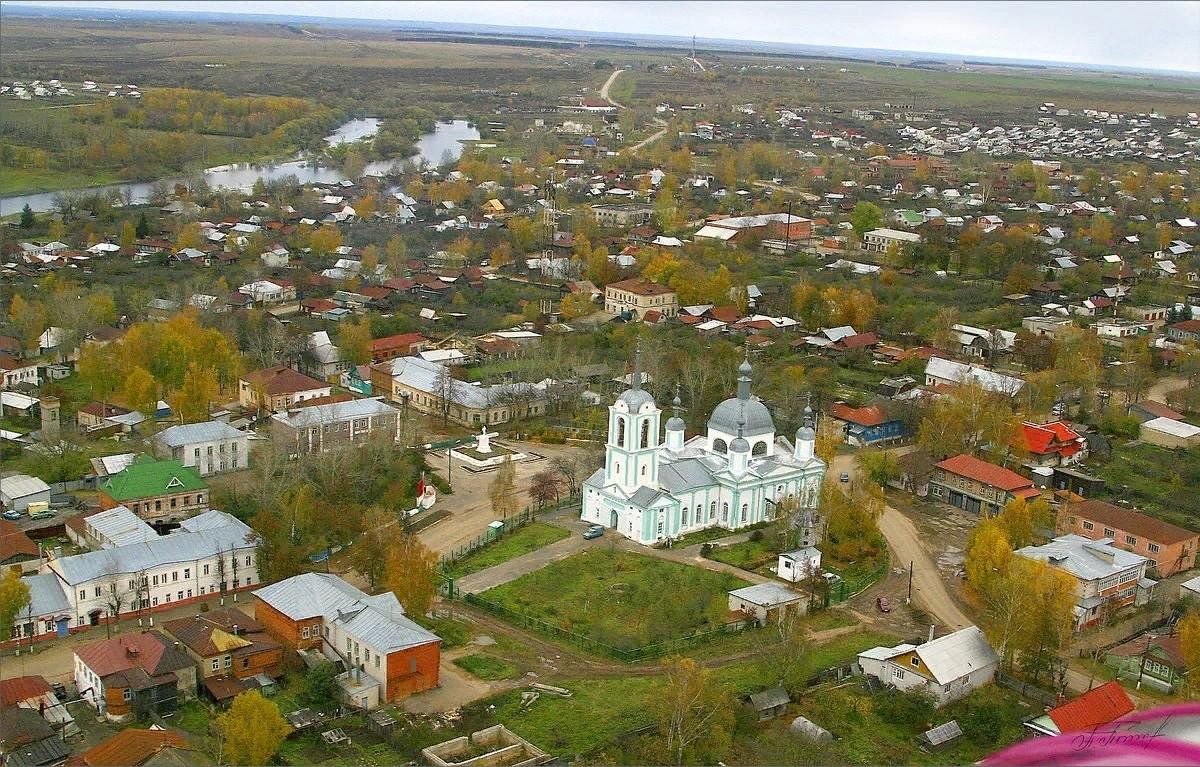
(865, 426)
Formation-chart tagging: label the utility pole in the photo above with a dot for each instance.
(787, 230)
(910, 580)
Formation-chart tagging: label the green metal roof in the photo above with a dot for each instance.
(911, 217)
(147, 478)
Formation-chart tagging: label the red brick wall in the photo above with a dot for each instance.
(285, 630)
(401, 681)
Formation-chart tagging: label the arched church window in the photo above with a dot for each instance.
(699, 513)
(621, 432)
(712, 511)
(745, 509)
(719, 446)
(645, 433)
(724, 512)
(760, 448)
(683, 520)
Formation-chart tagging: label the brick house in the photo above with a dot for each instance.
(137, 675)
(317, 428)
(278, 388)
(1169, 548)
(95, 415)
(402, 345)
(228, 647)
(1106, 578)
(638, 296)
(977, 486)
(371, 635)
(162, 491)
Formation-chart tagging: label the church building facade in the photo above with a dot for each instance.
(733, 476)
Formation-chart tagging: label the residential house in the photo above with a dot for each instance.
(1188, 330)
(159, 491)
(99, 415)
(28, 740)
(939, 371)
(17, 548)
(48, 613)
(211, 553)
(323, 359)
(1148, 410)
(782, 226)
(981, 343)
(1050, 444)
(1155, 660)
(370, 635)
(17, 372)
(1091, 712)
(402, 345)
(108, 528)
(132, 747)
(1106, 578)
(880, 240)
(269, 291)
(767, 602)
(209, 448)
(866, 426)
(134, 675)
(278, 388)
(977, 486)
(1167, 432)
(948, 668)
(429, 388)
(318, 428)
(637, 297)
(230, 649)
(1170, 549)
(623, 215)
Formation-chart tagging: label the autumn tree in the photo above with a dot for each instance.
(411, 573)
(188, 237)
(354, 341)
(128, 237)
(369, 553)
(366, 207)
(853, 518)
(967, 420)
(501, 255)
(829, 437)
(252, 730)
(695, 713)
(98, 369)
(502, 491)
(141, 391)
(397, 253)
(191, 401)
(1189, 649)
(14, 596)
(28, 319)
(325, 240)
(545, 487)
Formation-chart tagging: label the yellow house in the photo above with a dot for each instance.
(493, 206)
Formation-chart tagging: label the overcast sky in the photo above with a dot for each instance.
(1149, 35)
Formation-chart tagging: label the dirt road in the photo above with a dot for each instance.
(658, 121)
(929, 591)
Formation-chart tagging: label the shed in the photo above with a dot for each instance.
(381, 722)
(20, 490)
(943, 733)
(764, 601)
(769, 703)
(1166, 432)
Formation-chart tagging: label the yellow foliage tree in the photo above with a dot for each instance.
(354, 341)
(325, 240)
(1189, 648)
(411, 573)
(141, 392)
(252, 730)
(192, 400)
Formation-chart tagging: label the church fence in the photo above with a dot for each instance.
(512, 523)
(645, 652)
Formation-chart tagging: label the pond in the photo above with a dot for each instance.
(445, 141)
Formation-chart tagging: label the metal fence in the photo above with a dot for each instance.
(632, 654)
(850, 587)
(512, 523)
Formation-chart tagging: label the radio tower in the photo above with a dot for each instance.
(693, 54)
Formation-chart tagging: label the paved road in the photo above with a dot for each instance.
(504, 572)
(929, 591)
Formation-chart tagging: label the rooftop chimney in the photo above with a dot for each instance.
(930, 639)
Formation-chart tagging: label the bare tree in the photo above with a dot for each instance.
(443, 389)
(545, 487)
(570, 468)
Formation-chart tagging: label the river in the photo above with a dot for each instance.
(431, 148)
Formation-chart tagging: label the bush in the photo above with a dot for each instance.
(756, 536)
(983, 722)
(319, 685)
(913, 710)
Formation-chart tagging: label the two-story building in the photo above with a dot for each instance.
(1170, 549)
(1106, 578)
(230, 650)
(159, 491)
(269, 291)
(1050, 444)
(15, 372)
(977, 486)
(428, 387)
(371, 635)
(879, 240)
(209, 448)
(212, 553)
(637, 296)
(317, 428)
(278, 388)
(623, 215)
(134, 675)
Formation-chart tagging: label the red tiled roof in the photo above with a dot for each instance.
(1100, 706)
(864, 416)
(282, 380)
(101, 410)
(129, 747)
(1131, 521)
(17, 689)
(14, 542)
(111, 656)
(981, 471)
(318, 304)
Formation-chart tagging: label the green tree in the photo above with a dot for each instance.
(128, 237)
(252, 730)
(143, 226)
(865, 217)
(27, 219)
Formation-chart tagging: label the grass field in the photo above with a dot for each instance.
(486, 667)
(521, 541)
(14, 181)
(748, 555)
(1156, 480)
(624, 600)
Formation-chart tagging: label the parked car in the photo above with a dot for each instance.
(883, 604)
(845, 477)
(44, 514)
(12, 514)
(595, 531)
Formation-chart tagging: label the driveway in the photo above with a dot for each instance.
(929, 590)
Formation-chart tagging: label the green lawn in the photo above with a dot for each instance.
(194, 717)
(621, 599)
(486, 667)
(748, 555)
(1159, 481)
(521, 541)
(454, 633)
(15, 181)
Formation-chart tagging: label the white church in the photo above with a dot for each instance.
(732, 476)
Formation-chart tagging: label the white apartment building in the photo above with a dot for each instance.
(879, 240)
(210, 448)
